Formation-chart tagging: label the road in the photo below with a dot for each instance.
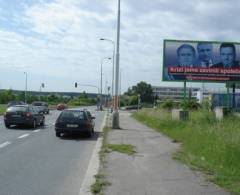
(37, 162)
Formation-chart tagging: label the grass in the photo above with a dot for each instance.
(100, 178)
(3, 108)
(207, 145)
(122, 148)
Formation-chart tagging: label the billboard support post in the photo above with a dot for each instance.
(184, 91)
(233, 95)
(228, 97)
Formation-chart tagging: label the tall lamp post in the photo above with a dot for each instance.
(106, 58)
(25, 96)
(113, 62)
(40, 90)
(115, 121)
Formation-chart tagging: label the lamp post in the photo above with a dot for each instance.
(106, 58)
(25, 96)
(113, 58)
(115, 121)
(120, 89)
(40, 90)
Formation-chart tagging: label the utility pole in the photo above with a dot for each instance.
(25, 96)
(115, 121)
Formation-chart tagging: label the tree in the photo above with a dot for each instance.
(144, 90)
(83, 95)
(6, 96)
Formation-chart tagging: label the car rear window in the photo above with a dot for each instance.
(37, 104)
(72, 115)
(17, 108)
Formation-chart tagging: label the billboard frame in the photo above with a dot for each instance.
(192, 41)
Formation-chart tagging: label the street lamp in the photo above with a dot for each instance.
(106, 58)
(25, 96)
(40, 90)
(115, 121)
(113, 44)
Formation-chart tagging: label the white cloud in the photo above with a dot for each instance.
(61, 38)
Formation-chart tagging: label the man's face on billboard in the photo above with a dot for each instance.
(227, 56)
(205, 51)
(185, 56)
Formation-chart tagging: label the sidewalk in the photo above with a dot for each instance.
(152, 171)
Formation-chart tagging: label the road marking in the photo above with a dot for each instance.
(93, 166)
(22, 136)
(35, 131)
(4, 144)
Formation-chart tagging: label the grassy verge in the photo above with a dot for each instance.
(2, 108)
(207, 145)
(122, 148)
(100, 179)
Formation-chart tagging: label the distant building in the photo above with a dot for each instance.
(174, 93)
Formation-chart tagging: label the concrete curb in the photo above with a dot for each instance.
(93, 166)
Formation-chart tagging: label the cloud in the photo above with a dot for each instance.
(60, 38)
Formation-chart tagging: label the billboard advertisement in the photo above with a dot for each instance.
(201, 61)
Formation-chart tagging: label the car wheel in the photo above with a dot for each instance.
(7, 126)
(43, 122)
(58, 134)
(34, 125)
(90, 133)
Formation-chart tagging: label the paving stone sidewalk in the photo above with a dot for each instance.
(152, 171)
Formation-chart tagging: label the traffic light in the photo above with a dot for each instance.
(43, 85)
(75, 85)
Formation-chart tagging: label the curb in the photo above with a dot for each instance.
(93, 166)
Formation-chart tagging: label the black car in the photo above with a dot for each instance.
(23, 115)
(91, 118)
(42, 106)
(74, 121)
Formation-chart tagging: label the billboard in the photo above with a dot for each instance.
(201, 61)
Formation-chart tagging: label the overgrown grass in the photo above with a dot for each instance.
(122, 148)
(3, 108)
(101, 182)
(208, 145)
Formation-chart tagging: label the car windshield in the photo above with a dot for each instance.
(17, 108)
(72, 114)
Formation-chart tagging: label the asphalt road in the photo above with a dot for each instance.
(35, 161)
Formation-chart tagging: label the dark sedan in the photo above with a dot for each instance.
(74, 121)
(23, 115)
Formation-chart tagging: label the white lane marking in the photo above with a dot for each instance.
(93, 166)
(35, 131)
(22, 136)
(4, 144)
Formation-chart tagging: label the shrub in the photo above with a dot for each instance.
(168, 104)
(190, 104)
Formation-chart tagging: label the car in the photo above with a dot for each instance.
(12, 103)
(42, 106)
(91, 117)
(23, 115)
(61, 106)
(72, 121)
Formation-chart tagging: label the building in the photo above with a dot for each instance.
(174, 93)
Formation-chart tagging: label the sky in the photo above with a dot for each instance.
(56, 42)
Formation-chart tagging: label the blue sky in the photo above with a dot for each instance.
(57, 41)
